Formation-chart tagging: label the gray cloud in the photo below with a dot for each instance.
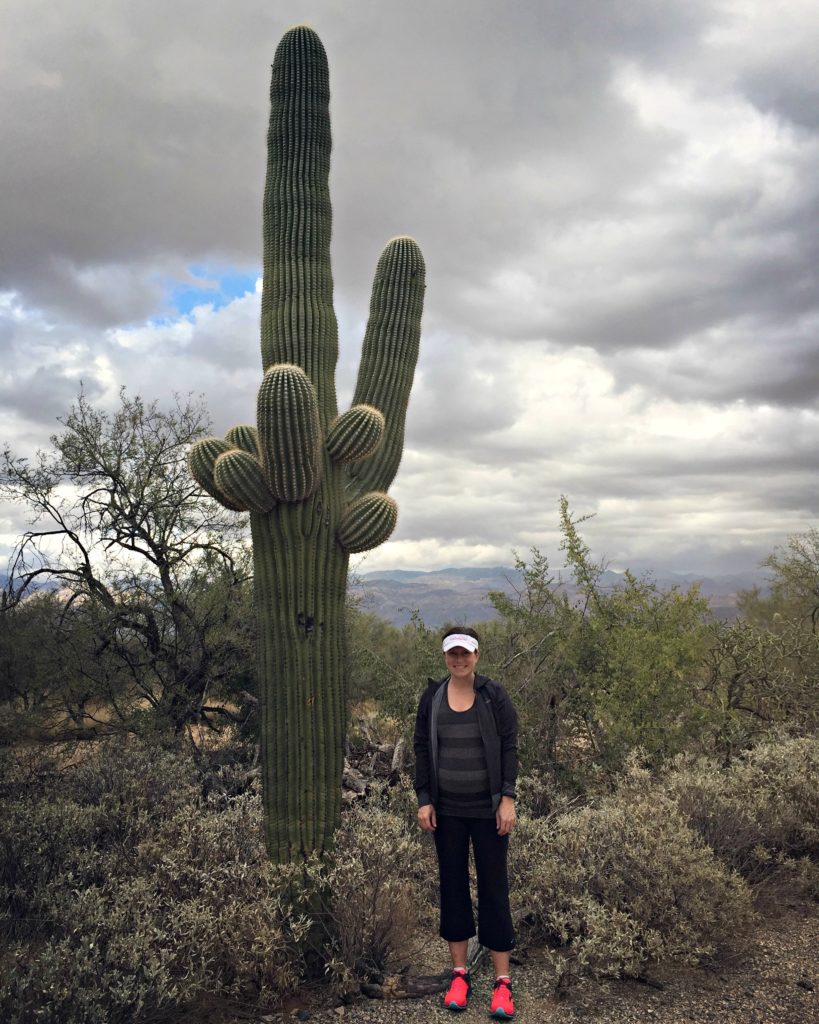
(758, 358)
(617, 205)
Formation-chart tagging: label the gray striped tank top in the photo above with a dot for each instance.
(463, 778)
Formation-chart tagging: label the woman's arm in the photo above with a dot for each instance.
(422, 754)
(426, 818)
(505, 816)
(507, 720)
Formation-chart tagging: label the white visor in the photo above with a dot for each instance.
(460, 640)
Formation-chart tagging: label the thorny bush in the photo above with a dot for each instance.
(761, 813)
(618, 885)
(130, 885)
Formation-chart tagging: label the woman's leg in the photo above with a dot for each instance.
(452, 846)
(458, 952)
(494, 916)
(500, 961)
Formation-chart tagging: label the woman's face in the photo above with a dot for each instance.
(460, 662)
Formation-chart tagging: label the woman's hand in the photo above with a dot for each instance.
(505, 816)
(426, 818)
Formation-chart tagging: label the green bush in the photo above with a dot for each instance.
(126, 894)
(616, 886)
(761, 813)
(379, 891)
(129, 886)
(82, 824)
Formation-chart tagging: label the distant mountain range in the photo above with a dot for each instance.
(459, 594)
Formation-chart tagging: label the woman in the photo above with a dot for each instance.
(466, 765)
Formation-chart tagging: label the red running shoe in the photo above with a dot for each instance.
(502, 1005)
(457, 995)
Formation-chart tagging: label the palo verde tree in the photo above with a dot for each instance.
(793, 592)
(639, 656)
(762, 668)
(313, 482)
(146, 574)
(597, 665)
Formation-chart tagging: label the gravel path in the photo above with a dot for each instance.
(770, 982)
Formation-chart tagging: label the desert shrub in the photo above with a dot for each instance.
(615, 886)
(540, 796)
(400, 799)
(129, 889)
(761, 813)
(132, 947)
(126, 893)
(378, 887)
(81, 824)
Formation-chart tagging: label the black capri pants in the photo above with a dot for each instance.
(452, 835)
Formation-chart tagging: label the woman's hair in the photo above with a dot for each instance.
(466, 630)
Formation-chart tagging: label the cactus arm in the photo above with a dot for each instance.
(245, 437)
(368, 522)
(239, 476)
(389, 355)
(356, 434)
(289, 435)
(201, 461)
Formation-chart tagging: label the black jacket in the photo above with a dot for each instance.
(499, 731)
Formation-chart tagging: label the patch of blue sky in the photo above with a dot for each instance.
(208, 285)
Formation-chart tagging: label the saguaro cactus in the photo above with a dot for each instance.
(313, 482)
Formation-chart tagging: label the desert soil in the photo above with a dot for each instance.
(770, 978)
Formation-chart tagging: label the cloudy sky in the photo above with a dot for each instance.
(618, 205)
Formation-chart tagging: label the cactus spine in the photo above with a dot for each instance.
(313, 482)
